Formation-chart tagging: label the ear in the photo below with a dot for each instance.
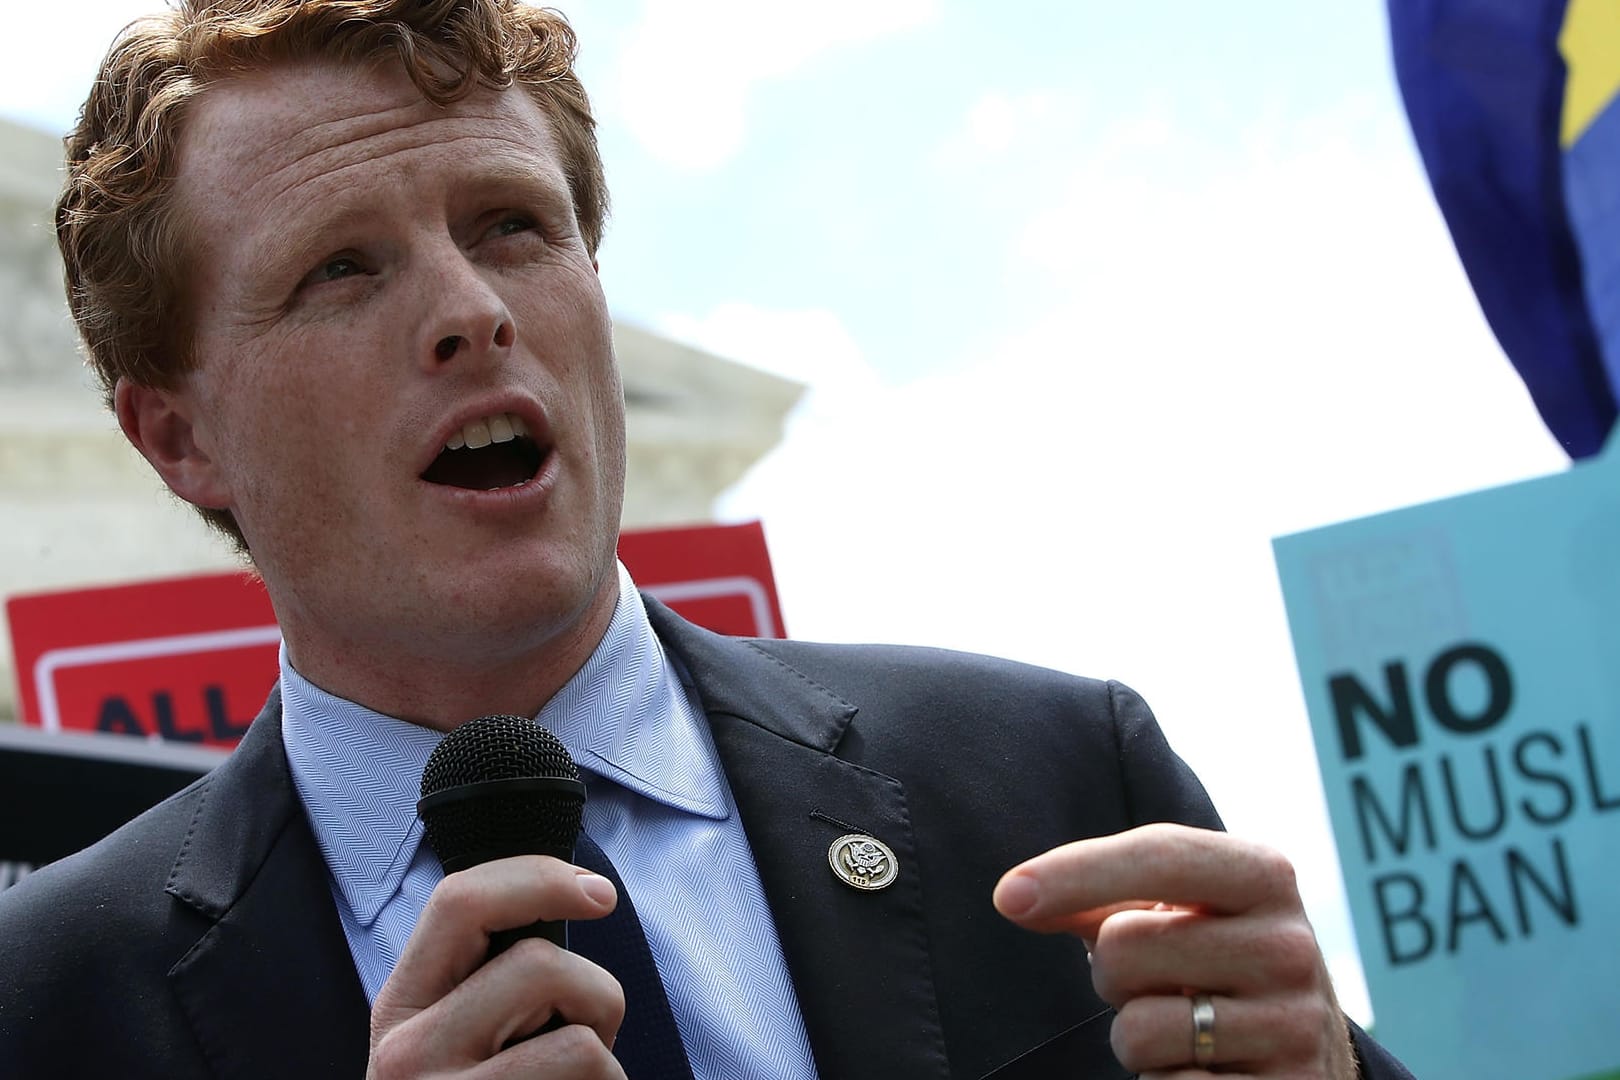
(161, 425)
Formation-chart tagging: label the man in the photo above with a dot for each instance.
(334, 261)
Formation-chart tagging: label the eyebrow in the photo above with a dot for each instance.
(534, 179)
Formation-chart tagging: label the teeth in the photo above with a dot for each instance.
(500, 428)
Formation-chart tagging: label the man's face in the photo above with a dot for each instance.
(374, 279)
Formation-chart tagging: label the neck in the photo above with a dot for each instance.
(454, 681)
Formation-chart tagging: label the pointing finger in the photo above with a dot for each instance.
(1073, 887)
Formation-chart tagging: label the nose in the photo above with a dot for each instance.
(466, 317)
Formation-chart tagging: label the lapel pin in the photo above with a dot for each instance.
(863, 862)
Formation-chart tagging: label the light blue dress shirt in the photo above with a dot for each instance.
(658, 805)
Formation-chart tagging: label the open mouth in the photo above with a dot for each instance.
(494, 452)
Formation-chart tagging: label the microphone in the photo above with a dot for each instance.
(500, 786)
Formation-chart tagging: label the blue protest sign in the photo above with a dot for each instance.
(1461, 668)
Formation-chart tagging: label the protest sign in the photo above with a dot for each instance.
(1461, 669)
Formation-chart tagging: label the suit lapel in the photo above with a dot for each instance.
(860, 961)
(269, 989)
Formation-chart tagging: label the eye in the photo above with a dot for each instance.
(333, 269)
(339, 268)
(511, 225)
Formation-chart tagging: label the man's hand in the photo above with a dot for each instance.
(444, 1012)
(1169, 911)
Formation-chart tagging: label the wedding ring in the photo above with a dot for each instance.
(1203, 1018)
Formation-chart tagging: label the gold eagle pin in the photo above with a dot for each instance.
(863, 862)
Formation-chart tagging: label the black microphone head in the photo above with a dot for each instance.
(499, 786)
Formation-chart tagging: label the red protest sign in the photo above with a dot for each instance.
(718, 576)
(191, 659)
(187, 659)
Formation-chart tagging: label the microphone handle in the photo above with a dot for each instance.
(553, 930)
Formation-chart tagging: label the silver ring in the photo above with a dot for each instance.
(1203, 1017)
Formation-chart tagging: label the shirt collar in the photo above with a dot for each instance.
(358, 773)
(625, 716)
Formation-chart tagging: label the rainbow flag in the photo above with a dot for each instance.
(1513, 107)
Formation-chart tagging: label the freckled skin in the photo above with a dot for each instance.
(341, 228)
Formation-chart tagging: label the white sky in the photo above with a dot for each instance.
(1093, 300)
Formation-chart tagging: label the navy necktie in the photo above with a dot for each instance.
(649, 1045)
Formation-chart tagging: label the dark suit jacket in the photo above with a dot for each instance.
(201, 940)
